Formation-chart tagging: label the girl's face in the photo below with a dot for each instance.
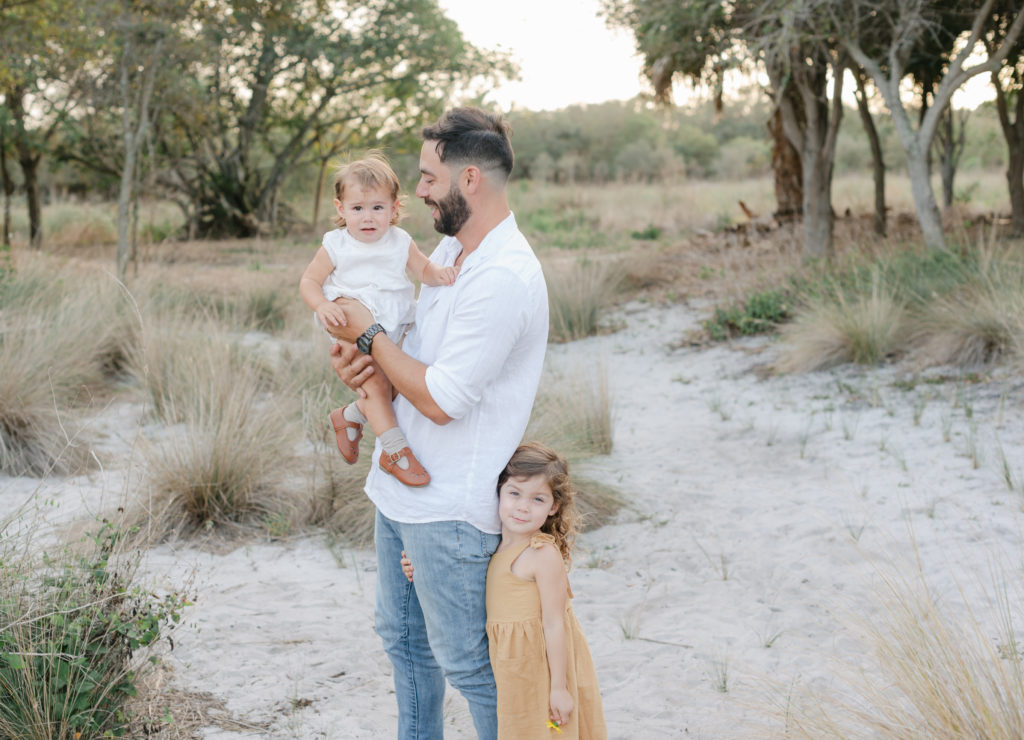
(367, 211)
(524, 504)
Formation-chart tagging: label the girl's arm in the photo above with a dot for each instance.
(427, 272)
(553, 585)
(311, 288)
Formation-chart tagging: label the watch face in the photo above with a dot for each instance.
(365, 340)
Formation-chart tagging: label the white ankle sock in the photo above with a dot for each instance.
(392, 440)
(353, 414)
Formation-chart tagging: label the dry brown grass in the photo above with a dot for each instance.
(63, 334)
(864, 328)
(934, 672)
(983, 319)
(224, 465)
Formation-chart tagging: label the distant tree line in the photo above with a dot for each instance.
(640, 141)
(218, 104)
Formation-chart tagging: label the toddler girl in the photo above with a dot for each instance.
(546, 682)
(365, 260)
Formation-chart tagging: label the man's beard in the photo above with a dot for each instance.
(452, 212)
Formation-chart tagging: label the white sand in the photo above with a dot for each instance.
(758, 512)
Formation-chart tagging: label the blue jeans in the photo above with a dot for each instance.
(435, 628)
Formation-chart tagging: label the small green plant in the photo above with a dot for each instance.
(650, 233)
(761, 312)
(69, 629)
(720, 674)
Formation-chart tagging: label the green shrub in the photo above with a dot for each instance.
(761, 312)
(69, 631)
(650, 233)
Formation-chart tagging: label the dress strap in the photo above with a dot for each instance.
(540, 539)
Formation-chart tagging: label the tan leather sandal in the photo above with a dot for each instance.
(349, 448)
(414, 476)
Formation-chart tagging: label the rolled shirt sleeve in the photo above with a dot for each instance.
(476, 347)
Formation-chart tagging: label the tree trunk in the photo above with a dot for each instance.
(819, 219)
(1015, 182)
(877, 159)
(811, 124)
(124, 201)
(30, 172)
(8, 187)
(787, 172)
(950, 143)
(28, 160)
(319, 192)
(924, 199)
(1013, 132)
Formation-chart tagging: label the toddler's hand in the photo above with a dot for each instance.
(331, 314)
(448, 275)
(561, 705)
(406, 566)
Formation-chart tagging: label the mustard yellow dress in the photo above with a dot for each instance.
(520, 662)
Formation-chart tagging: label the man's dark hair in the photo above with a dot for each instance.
(472, 136)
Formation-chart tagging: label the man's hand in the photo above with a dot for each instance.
(352, 366)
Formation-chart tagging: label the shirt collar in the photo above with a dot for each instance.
(490, 243)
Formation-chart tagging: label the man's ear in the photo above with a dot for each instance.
(471, 178)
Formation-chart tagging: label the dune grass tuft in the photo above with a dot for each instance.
(934, 672)
(223, 467)
(839, 327)
(573, 413)
(982, 318)
(578, 294)
(63, 335)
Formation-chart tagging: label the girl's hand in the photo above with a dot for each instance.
(331, 314)
(406, 566)
(561, 704)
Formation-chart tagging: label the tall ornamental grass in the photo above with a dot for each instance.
(981, 319)
(961, 306)
(845, 326)
(933, 672)
(578, 295)
(63, 335)
(225, 461)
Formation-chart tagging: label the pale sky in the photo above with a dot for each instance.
(565, 52)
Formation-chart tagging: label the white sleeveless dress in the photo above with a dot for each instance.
(373, 274)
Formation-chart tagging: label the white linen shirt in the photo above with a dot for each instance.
(483, 341)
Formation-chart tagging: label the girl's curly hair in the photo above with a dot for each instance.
(533, 458)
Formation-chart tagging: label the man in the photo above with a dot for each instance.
(465, 380)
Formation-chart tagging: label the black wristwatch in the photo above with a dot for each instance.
(365, 341)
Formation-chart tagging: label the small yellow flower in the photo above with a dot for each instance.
(554, 726)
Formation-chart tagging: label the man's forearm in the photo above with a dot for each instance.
(408, 376)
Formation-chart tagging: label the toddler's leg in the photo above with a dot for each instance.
(396, 457)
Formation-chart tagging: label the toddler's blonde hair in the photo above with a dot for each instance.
(372, 171)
